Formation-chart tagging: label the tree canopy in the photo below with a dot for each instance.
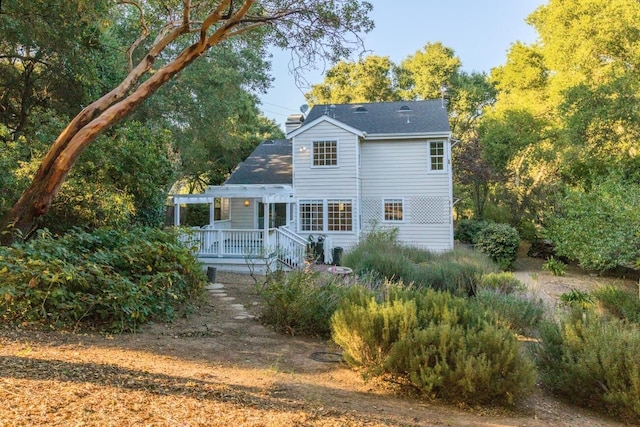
(171, 35)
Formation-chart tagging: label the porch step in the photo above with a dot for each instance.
(237, 264)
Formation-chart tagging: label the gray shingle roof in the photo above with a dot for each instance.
(387, 117)
(270, 163)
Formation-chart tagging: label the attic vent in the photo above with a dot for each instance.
(269, 142)
(361, 110)
(404, 109)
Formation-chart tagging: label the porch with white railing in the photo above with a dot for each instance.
(280, 244)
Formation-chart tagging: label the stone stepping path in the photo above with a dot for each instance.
(239, 312)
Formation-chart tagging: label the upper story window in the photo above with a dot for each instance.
(393, 210)
(325, 153)
(436, 156)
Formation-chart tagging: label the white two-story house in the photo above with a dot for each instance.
(342, 170)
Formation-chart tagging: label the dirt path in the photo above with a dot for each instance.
(221, 367)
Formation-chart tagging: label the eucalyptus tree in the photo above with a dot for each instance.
(313, 29)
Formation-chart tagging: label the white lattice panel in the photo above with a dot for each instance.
(429, 210)
(371, 211)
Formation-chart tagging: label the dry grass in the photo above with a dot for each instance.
(213, 369)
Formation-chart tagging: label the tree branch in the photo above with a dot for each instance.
(142, 36)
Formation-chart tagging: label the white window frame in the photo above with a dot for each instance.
(328, 219)
(395, 200)
(311, 222)
(325, 215)
(313, 153)
(431, 157)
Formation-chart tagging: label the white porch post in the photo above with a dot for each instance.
(176, 213)
(289, 207)
(212, 212)
(266, 208)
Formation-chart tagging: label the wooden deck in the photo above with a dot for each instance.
(247, 247)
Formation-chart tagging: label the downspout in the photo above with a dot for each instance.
(450, 143)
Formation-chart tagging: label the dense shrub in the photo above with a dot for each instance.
(577, 298)
(555, 266)
(457, 271)
(500, 242)
(467, 229)
(619, 303)
(518, 312)
(442, 345)
(502, 282)
(300, 302)
(599, 228)
(108, 279)
(593, 361)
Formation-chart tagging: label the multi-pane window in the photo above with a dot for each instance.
(312, 215)
(339, 216)
(393, 210)
(436, 155)
(326, 215)
(325, 153)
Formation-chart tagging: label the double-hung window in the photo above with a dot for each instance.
(325, 153)
(326, 215)
(436, 156)
(311, 215)
(339, 215)
(393, 210)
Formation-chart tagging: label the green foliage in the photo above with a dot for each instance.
(599, 227)
(577, 298)
(500, 242)
(555, 266)
(371, 79)
(442, 345)
(518, 312)
(618, 302)
(457, 271)
(467, 230)
(121, 179)
(502, 282)
(300, 302)
(108, 279)
(593, 361)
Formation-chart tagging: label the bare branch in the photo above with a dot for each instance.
(142, 36)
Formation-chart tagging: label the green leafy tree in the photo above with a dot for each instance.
(429, 71)
(48, 50)
(371, 79)
(599, 227)
(316, 30)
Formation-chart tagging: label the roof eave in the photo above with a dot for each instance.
(305, 127)
(416, 135)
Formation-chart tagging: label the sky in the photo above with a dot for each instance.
(479, 31)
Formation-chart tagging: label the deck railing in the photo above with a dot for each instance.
(229, 243)
(283, 244)
(291, 249)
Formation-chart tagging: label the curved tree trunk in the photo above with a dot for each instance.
(314, 28)
(22, 220)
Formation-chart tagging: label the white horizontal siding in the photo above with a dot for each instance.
(242, 217)
(432, 237)
(400, 169)
(325, 182)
